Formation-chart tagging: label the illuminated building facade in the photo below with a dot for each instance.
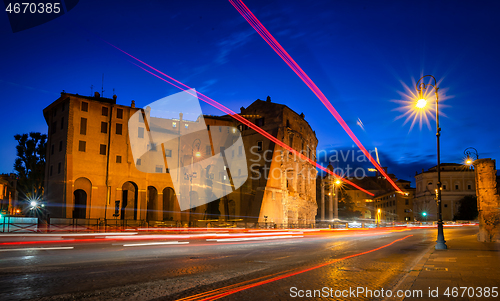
(457, 181)
(92, 173)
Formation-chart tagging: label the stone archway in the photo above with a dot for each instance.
(129, 201)
(81, 198)
(80, 207)
(152, 204)
(169, 200)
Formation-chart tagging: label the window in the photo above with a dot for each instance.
(174, 124)
(259, 146)
(59, 168)
(82, 145)
(290, 140)
(445, 205)
(119, 113)
(104, 127)
(159, 169)
(105, 111)
(138, 162)
(208, 127)
(63, 106)
(102, 149)
(430, 183)
(50, 171)
(407, 202)
(54, 112)
(54, 127)
(456, 186)
(152, 147)
(167, 170)
(119, 127)
(83, 126)
(62, 123)
(141, 117)
(168, 153)
(259, 122)
(60, 146)
(444, 187)
(141, 133)
(240, 150)
(52, 149)
(469, 186)
(186, 125)
(85, 106)
(239, 172)
(118, 159)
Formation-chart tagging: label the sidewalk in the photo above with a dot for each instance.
(469, 266)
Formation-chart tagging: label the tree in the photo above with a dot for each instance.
(346, 206)
(467, 208)
(30, 164)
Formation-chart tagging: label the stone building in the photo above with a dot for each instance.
(457, 181)
(281, 186)
(91, 171)
(9, 203)
(391, 206)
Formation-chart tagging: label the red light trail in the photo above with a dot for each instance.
(229, 290)
(236, 116)
(264, 33)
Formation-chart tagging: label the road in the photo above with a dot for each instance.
(272, 265)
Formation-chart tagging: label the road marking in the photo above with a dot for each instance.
(37, 249)
(157, 243)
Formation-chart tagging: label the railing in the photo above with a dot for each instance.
(73, 225)
(13, 224)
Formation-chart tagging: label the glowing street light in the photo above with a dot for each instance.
(472, 155)
(421, 103)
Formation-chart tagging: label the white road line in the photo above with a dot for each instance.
(37, 249)
(157, 243)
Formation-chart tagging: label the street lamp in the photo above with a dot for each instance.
(471, 153)
(421, 103)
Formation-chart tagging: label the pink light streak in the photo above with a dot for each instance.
(264, 33)
(236, 116)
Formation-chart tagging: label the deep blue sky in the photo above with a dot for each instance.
(358, 52)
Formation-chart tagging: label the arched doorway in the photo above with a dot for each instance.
(129, 201)
(80, 207)
(169, 200)
(82, 198)
(151, 214)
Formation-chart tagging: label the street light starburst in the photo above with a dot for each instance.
(418, 107)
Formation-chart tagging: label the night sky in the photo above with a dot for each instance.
(359, 53)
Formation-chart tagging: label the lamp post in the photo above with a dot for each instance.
(421, 103)
(336, 204)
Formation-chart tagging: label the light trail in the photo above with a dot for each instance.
(232, 289)
(237, 117)
(264, 33)
(254, 238)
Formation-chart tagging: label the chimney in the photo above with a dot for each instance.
(132, 105)
(114, 97)
(97, 95)
(268, 99)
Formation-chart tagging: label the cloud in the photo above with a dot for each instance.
(234, 41)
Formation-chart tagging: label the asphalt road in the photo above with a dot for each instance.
(248, 266)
